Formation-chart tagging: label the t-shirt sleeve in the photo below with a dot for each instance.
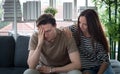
(33, 41)
(71, 45)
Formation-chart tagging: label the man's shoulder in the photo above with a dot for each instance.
(34, 35)
(66, 32)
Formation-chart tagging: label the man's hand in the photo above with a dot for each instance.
(40, 36)
(44, 69)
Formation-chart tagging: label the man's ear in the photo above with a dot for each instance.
(55, 25)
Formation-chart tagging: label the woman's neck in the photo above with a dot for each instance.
(86, 34)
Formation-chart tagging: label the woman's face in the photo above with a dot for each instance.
(83, 24)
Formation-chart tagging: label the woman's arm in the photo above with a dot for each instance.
(103, 67)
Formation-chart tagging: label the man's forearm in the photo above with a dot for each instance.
(75, 63)
(34, 58)
(66, 68)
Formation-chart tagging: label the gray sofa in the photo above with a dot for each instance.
(13, 55)
(115, 65)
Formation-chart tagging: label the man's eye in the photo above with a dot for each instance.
(48, 31)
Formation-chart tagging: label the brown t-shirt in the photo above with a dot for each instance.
(57, 53)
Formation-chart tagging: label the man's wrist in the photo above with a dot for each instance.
(50, 70)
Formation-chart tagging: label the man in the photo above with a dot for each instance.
(51, 50)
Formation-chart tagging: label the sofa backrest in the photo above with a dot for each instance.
(7, 47)
(21, 51)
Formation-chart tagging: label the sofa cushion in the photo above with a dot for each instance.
(21, 51)
(115, 65)
(12, 70)
(7, 47)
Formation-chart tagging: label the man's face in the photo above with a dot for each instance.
(49, 31)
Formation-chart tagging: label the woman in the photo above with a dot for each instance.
(92, 43)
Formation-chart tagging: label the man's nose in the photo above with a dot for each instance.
(46, 35)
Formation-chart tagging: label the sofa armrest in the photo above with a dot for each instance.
(7, 48)
(115, 65)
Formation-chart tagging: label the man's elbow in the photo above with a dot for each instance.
(31, 65)
(78, 66)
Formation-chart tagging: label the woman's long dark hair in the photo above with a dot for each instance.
(94, 27)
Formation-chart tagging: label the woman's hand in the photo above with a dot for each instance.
(67, 32)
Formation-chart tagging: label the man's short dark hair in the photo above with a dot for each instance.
(46, 19)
